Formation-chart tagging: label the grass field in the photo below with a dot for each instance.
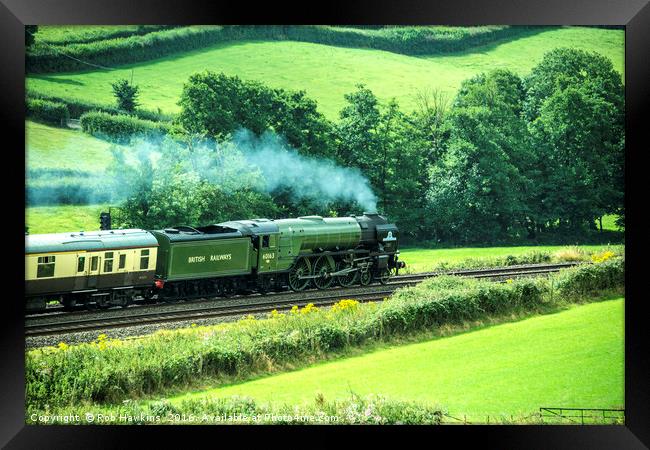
(299, 65)
(61, 218)
(57, 157)
(422, 260)
(573, 358)
(58, 148)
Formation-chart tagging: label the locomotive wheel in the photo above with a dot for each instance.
(301, 269)
(350, 278)
(386, 275)
(366, 278)
(322, 268)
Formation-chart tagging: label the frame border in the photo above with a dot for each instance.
(634, 14)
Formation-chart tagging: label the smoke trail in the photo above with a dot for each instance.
(263, 164)
(307, 177)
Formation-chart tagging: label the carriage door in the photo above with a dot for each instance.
(268, 253)
(94, 263)
(81, 275)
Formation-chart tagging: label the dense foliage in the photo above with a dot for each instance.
(53, 113)
(120, 127)
(126, 95)
(509, 158)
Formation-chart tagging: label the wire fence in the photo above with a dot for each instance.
(546, 415)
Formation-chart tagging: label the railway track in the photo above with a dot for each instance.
(77, 322)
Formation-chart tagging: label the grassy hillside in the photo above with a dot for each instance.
(328, 72)
(57, 160)
(58, 148)
(61, 218)
(574, 358)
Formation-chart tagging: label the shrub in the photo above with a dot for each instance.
(121, 127)
(590, 279)
(54, 113)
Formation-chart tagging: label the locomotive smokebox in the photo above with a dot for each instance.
(374, 228)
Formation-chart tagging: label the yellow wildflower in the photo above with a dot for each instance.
(602, 257)
(63, 346)
(308, 308)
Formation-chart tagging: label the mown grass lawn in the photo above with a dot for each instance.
(422, 260)
(573, 358)
(327, 72)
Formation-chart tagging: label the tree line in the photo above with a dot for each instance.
(507, 158)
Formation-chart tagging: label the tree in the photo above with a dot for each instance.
(126, 95)
(564, 67)
(357, 133)
(477, 188)
(217, 105)
(575, 107)
(30, 31)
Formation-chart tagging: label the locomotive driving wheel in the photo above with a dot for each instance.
(366, 278)
(348, 279)
(386, 275)
(301, 269)
(322, 268)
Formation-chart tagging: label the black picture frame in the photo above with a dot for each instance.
(633, 14)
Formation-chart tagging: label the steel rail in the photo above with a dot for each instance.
(277, 301)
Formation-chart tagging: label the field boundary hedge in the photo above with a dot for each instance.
(120, 128)
(78, 107)
(111, 370)
(47, 111)
(100, 35)
(133, 49)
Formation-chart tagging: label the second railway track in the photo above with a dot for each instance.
(280, 301)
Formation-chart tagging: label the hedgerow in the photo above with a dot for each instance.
(407, 40)
(120, 128)
(77, 107)
(111, 370)
(78, 34)
(54, 113)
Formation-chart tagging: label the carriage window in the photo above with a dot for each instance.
(45, 266)
(94, 261)
(265, 242)
(122, 261)
(81, 264)
(108, 262)
(144, 259)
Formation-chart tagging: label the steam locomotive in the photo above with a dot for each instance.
(107, 268)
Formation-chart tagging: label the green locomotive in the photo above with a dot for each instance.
(257, 255)
(263, 255)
